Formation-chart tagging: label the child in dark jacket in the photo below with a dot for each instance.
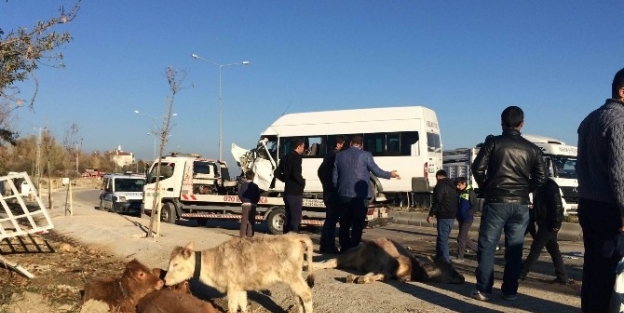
(466, 208)
(249, 195)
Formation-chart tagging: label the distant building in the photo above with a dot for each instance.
(122, 158)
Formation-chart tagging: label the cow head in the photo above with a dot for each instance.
(436, 271)
(138, 280)
(181, 264)
(182, 287)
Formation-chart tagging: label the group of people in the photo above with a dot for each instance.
(453, 200)
(507, 169)
(345, 177)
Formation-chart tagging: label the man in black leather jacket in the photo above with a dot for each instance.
(507, 168)
(548, 212)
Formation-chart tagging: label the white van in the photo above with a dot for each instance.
(406, 139)
(122, 193)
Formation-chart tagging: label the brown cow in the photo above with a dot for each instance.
(122, 294)
(383, 259)
(249, 263)
(177, 298)
(167, 300)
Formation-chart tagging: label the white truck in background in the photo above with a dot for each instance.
(192, 187)
(560, 160)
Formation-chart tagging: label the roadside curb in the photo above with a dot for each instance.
(568, 232)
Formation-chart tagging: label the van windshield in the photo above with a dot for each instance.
(129, 184)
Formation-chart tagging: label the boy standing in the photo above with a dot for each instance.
(466, 208)
(444, 209)
(249, 195)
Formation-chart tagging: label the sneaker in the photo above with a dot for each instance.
(562, 281)
(478, 296)
(458, 260)
(510, 297)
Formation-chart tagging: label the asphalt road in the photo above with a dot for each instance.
(420, 239)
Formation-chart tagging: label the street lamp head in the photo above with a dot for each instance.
(245, 63)
(174, 114)
(136, 111)
(195, 56)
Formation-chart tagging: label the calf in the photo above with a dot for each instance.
(249, 263)
(383, 259)
(122, 294)
(176, 298)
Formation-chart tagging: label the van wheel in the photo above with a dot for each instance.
(168, 213)
(372, 190)
(275, 221)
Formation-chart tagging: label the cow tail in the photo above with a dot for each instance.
(309, 252)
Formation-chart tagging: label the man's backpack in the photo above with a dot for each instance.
(279, 170)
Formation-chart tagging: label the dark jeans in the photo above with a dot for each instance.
(248, 220)
(496, 218)
(294, 207)
(332, 215)
(463, 238)
(600, 222)
(352, 220)
(545, 237)
(444, 226)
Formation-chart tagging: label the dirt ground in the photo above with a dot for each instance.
(93, 243)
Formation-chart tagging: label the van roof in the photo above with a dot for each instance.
(386, 119)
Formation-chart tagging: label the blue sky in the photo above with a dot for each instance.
(467, 60)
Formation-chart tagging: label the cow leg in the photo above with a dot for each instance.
(242, 301)
(366, 279)
(301, 289)
(233, 301)
(331, 263)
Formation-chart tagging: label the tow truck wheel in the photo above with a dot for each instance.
(167, 213)
(275, 221)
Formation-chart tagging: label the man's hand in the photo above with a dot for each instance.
(429, 219)
(394, 174)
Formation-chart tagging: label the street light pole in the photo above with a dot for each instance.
(154, 133)
(154, 136)
(221, 66)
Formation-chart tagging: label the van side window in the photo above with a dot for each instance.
(375, 143)
(407, 140)
(433, 142)
(392, 144)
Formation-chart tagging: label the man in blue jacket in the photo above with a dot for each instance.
(351, 177)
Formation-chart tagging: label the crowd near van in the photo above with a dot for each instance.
(406, 139)
(122, 193)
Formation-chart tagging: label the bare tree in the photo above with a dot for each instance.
(175, 80)
(48, 143)
(72, 144)
(22, 51)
